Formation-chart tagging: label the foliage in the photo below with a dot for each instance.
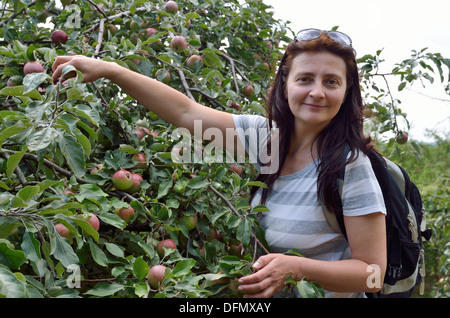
(383, 108)
(429, 169)
(54, 135)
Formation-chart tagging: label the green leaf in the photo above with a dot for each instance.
(244, 231)
(74, 154)
(97, 254)
(183, 267)
(12, 131)
(40, 139)
(27, 193)
(60, 248)
(141, 289)
(33, 80)
(104, 289)
(31, 247)
(59, 207)
(197, 182)
(13, 162)
(19, 92)
(401, 86)
(113, 219)
(140, 268)
(10, 285)
(309, 290)
(7, 225)
(10, 257)
(114, 249)
(212, 57)
(164, 188)
(85, 226)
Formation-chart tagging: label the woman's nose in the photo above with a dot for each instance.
(317, 91)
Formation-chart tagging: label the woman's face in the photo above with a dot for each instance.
(316, 88)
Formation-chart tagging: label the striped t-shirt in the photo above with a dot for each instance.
(296, 219)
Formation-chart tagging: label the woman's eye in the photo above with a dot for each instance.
(304, 79)
(333, 82)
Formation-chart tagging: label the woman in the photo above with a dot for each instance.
(315, 105)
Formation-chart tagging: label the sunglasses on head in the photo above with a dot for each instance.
(311, 34)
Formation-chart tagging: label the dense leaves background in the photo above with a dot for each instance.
(53, 135)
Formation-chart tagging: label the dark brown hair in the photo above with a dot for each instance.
(346, 128)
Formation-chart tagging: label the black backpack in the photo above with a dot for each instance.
(405, 228)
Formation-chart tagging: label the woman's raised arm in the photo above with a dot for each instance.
(166, 102)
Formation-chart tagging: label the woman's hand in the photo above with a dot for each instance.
(92, 69)
(273, 270)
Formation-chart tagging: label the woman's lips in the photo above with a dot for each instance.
(313, 105)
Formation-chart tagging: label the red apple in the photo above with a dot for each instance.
(151, 31)
(214, 235)
(167, 77)
(402, 137)
(167, 243)
(14, 80)
(190, 221)
(136, 186)
(235, 105)
(94, 221)
(155, 275)
(236, 168)
(248, 90)
(33, 67)
(171, 6)
(63, 230)
(235, 250)
(178, 43)
(193, 59)
(140, 159)
(59, 37)
(141, 132)
(176, 153)
(97, 168)
(122, 179)
(125, 213)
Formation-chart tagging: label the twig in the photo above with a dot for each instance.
(112, 17)
(211, 99)
(228, 203)
(233, 70)
(100, 37)
(48, 163)
(98, 9)
(185, 84)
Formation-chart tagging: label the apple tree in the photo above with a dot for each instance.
(92, 202)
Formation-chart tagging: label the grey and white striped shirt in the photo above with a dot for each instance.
(296, 219)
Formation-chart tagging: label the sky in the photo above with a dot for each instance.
(397, 27)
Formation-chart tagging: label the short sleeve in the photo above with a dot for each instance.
(361, 192)
(253, 133)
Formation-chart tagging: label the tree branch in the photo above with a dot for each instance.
(228, 203)
(185, 84)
